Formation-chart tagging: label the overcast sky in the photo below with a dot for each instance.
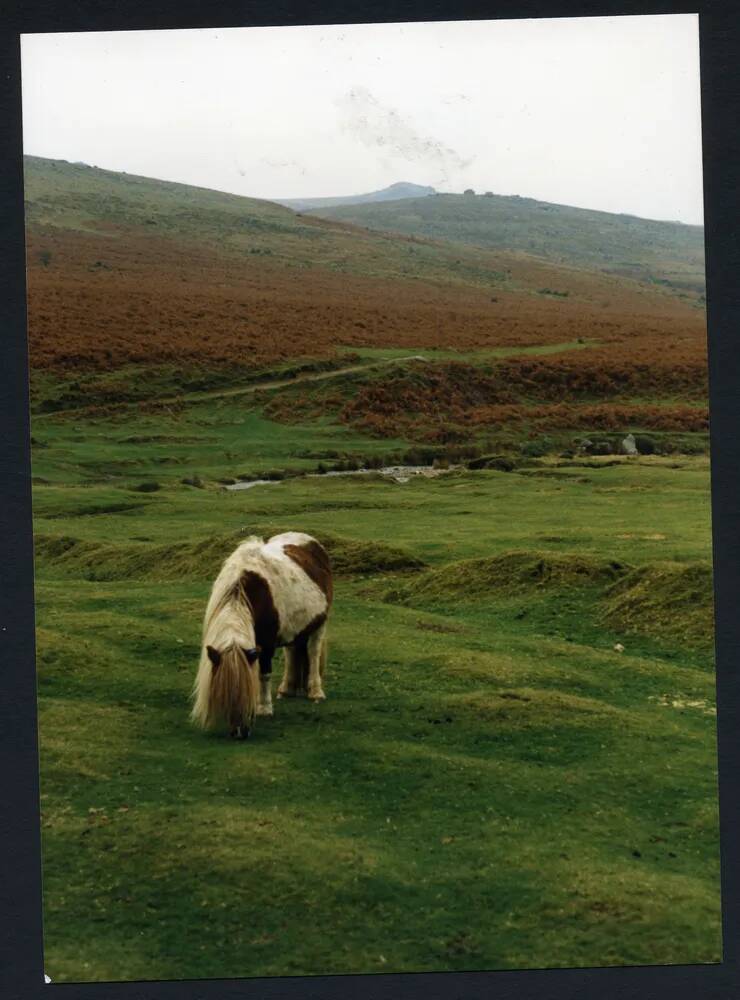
(594, 112)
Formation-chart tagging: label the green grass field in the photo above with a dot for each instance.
(490, 784)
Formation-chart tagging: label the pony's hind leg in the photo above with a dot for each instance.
(323, 657)
(300, 653)
(290, 682)
(316, 650)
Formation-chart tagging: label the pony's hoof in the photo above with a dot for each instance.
(240, 733)
(264, 710)
(286, 693)
(316, 696)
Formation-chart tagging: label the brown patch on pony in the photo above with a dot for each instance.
(265, 659)
(264, 613)
(314, 561)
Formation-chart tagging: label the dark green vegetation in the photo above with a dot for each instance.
(489, 785)
(668, 253)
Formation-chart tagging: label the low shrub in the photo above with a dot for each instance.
(536, 448)
(645, 445)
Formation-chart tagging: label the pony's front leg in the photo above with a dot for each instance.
(265, 705)
(316, 662)
(239, 729)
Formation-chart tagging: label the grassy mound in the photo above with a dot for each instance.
(200, 559)
(508, 573)
(110, 561)
(665, 600)
(351, 557)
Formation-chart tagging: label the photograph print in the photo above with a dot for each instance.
(371, 498)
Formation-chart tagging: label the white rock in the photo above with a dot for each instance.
(629, 446)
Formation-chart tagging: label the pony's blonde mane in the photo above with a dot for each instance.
(230, 693)
(232, 690)
(227, 586)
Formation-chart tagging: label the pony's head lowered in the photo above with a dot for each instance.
(227, 684)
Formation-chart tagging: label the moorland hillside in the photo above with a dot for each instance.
(125, 269)
(667, 253)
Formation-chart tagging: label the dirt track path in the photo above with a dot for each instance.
(244, 390)
(281, 383)
(499, 354)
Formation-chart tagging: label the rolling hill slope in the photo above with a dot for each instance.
(664, 252)
(127, 271)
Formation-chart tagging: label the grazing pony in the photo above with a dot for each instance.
(267, 595)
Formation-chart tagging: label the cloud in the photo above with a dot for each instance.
(385, 130)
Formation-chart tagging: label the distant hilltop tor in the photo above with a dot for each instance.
(395, 192)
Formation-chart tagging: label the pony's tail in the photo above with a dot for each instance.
(228, 693)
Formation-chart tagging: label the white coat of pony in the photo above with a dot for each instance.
(268, 595)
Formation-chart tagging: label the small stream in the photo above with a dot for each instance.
(396, 473)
